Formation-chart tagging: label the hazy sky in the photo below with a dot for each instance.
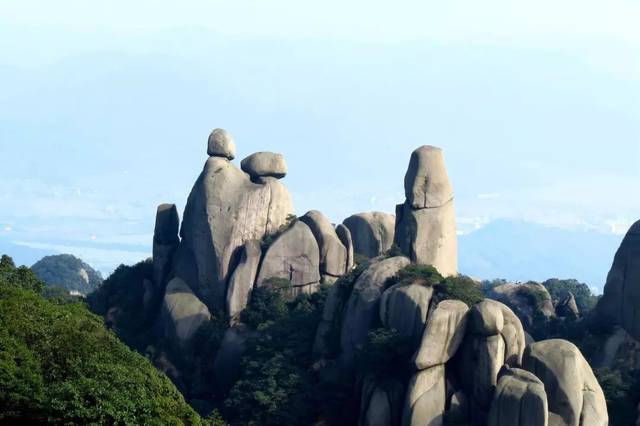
(105, 108)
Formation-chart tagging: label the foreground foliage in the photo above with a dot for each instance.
(58, 365)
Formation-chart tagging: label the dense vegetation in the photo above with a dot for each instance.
(68, 272)
(58, 365)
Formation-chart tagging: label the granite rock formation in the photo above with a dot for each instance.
(621, 296)
(372, 232)
(425, 228)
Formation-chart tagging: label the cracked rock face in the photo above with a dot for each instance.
(425, 223)
(224, 210)
(293, 256)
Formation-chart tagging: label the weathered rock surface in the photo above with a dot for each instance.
(574, 395)
(426, 183)
(294, 256)
(404, 307)
(428, 236)
(519, 400)
(372, 232)
(491, 317)
(486, 318)
(221, 144)
(224, 210)
(242, 279)
(165, 242)
(621, 296)
(361, 312)
(425, 227)
(381, 403)
(443, 334)
(182, 311)
(345, 237)
(526, 300)
(333, 254)
(426, 398)
(226, 366)
(265, 164)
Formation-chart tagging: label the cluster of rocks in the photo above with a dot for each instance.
(239, 233)
(471, 364)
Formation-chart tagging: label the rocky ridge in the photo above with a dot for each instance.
(469, 363)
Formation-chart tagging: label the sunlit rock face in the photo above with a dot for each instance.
(425, 227)
(224, 210)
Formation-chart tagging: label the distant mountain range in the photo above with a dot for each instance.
(521, 251)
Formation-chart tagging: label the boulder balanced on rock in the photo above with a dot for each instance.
(224, 210)
(425, 223)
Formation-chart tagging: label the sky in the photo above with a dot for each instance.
(105, 108)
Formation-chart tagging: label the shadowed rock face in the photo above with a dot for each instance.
(520, 400)
(182, 311)
(333, 254)
(165, 241)
(224, 210)
(242, 280)
(372, 232)
(425, 223)
(362, 308)
(621, 297)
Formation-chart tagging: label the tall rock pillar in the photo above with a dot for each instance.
(426, 222)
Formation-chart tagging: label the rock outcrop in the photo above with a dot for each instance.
(226, 365)
(372, 232)
(621, 297)
(520, 400)
(293, 256)
(404, 307)
(182, 311)
(574, 395)
(425, 228)
(443, 334)
(334, 257)
(363, 305)
(347, 241)
(526, 300)
(242, 279)
(380, 402)
(426, 398)
(224, 210)
(568, 307)
(165, 242)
